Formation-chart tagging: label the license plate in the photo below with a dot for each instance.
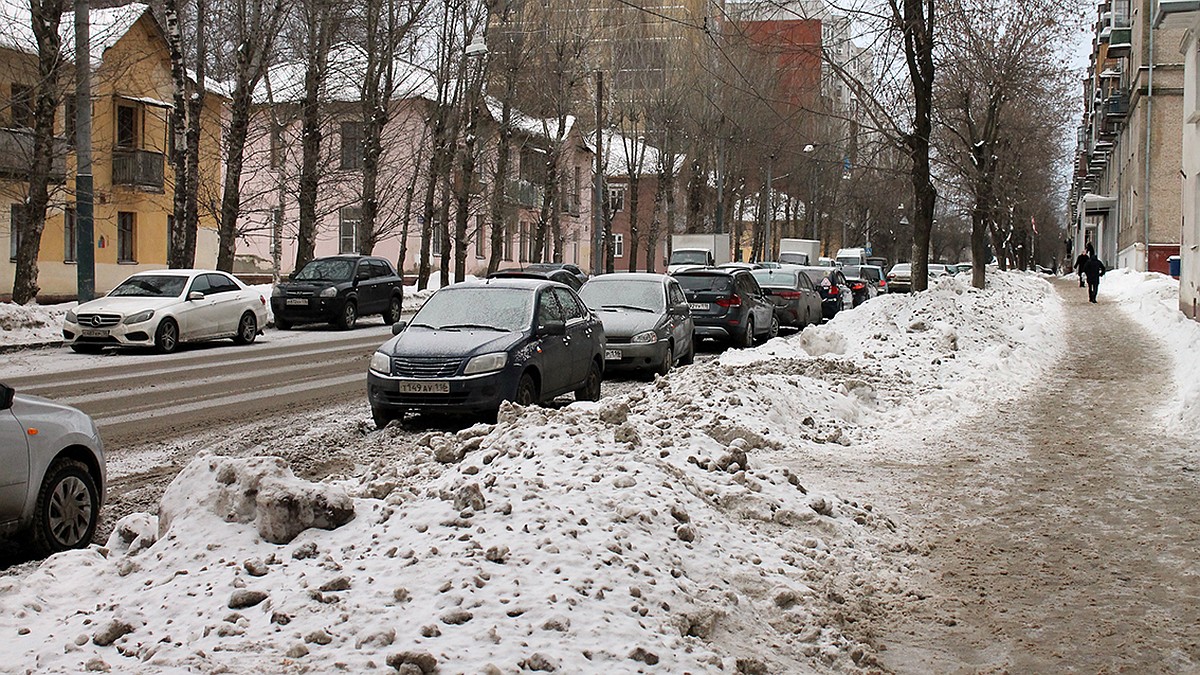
(95, 332)
(296, 301)
(613, 355)
(424, 387)
(700, 306)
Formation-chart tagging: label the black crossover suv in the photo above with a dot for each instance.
(338, 290)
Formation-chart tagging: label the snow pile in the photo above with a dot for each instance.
(680, 528)
(32, 323)
(1153, 300)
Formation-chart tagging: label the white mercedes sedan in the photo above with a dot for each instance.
(164, 308)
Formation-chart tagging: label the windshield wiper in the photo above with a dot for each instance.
(633, 307)
(482, 326)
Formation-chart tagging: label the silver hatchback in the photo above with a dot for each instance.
(52, 472)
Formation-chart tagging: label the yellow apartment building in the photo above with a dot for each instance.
(133, 181)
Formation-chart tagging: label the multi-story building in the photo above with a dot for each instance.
(133, 184)
(1174, 16)
(1126, 194)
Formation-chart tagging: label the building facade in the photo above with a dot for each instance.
(1126, 193)
(133, 182)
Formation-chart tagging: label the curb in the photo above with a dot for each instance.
(29, 346)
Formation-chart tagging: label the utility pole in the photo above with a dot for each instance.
(85, 246)
(598, 181)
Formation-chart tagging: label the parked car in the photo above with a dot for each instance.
(52, 472)
(164, 308)
(866, 282)
(475, 344)
(941, 270)
(570, 267)
(647, 322)
(797, 302)
(740, 266)
(337, 290)
(728, 305)
(560, 275)
(899, 278)
(833, 287)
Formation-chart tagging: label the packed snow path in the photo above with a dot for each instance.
(1064, 531)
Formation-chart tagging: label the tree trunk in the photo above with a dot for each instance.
(316, 63)
(632, 205)
(191, 227)
(231, 201)
(500, 177)
(176, 237)
(918, 34)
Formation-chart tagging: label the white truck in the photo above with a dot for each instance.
(799, 251)
(697, 250)
(852, 256)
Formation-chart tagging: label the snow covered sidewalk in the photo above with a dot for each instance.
(701, 524)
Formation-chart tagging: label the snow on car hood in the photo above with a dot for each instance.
(125, 305)
(421, 341)
(627, 322)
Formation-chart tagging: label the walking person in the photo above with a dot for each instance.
(1081, 261)
(1093, 269)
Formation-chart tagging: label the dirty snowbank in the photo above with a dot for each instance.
(1152, 300)
(659, 531)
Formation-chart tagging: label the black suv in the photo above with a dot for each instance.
(728, 305)
(337, 290)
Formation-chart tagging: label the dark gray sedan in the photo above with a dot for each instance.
(797, 302)
(646, 320)
(473, 345)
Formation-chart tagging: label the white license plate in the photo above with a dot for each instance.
(296, 301)
(95, 332)
(701, 306)
(424, 387)
(613, 355)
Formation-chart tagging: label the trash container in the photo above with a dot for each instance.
(1173, 263)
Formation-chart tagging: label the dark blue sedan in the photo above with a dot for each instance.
(473, 345)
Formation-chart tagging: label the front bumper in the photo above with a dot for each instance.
(119, 335)
(316, 310)
(635, 356)
(475, 393)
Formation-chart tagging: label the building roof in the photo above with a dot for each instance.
(284, 82)
(107, 27)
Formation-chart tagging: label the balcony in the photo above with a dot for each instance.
(524, 193)
(140, 169)
(1175, 13)
(1116, 106)
(16, 155)
(1120, 42)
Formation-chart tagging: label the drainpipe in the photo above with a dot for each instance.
(1149, 126)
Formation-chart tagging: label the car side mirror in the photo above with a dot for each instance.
(551, 328)
(398, 327)
(682, 309)
(6, 396)
(292, 275)
(195, 295)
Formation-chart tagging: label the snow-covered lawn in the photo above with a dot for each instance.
(701, 524)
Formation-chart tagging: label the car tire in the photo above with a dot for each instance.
(67, 508)
(392, 315)
(748, 335)
(348, 317)
(690, 357)
(668, 360)
(773, 331)
(381, 417)
(86, 349)
(527, 391)
(590, 391)
(283, 324)
(166, 336)
(247, 329)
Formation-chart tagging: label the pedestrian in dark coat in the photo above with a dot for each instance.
(1080, 262)
(1093, 269)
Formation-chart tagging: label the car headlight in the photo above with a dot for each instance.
(647, 338)
(71, 318)
(381, 363)
(139, 317)
(276, 292)
(330, 292)
(486, 363)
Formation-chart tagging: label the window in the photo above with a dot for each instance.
(576, 190)
(570, 306)
(201, 285)
(126, 237)
(352, 145)
(548, 308)
(69, 234)
(618, 245)
(479, 237)
(22, 106)
(219, 283)
(616, 199)
(349, 218)
(126, 126)
(16, 225)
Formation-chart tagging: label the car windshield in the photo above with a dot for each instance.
(853, 271)
(600, 294)
(502, 309)
(329, 269)
(689, 257)
(705, 283)
(794, 258)
(151, 286)
(903, 267)
(775, 278)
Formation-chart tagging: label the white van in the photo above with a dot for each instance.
(852, 256)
